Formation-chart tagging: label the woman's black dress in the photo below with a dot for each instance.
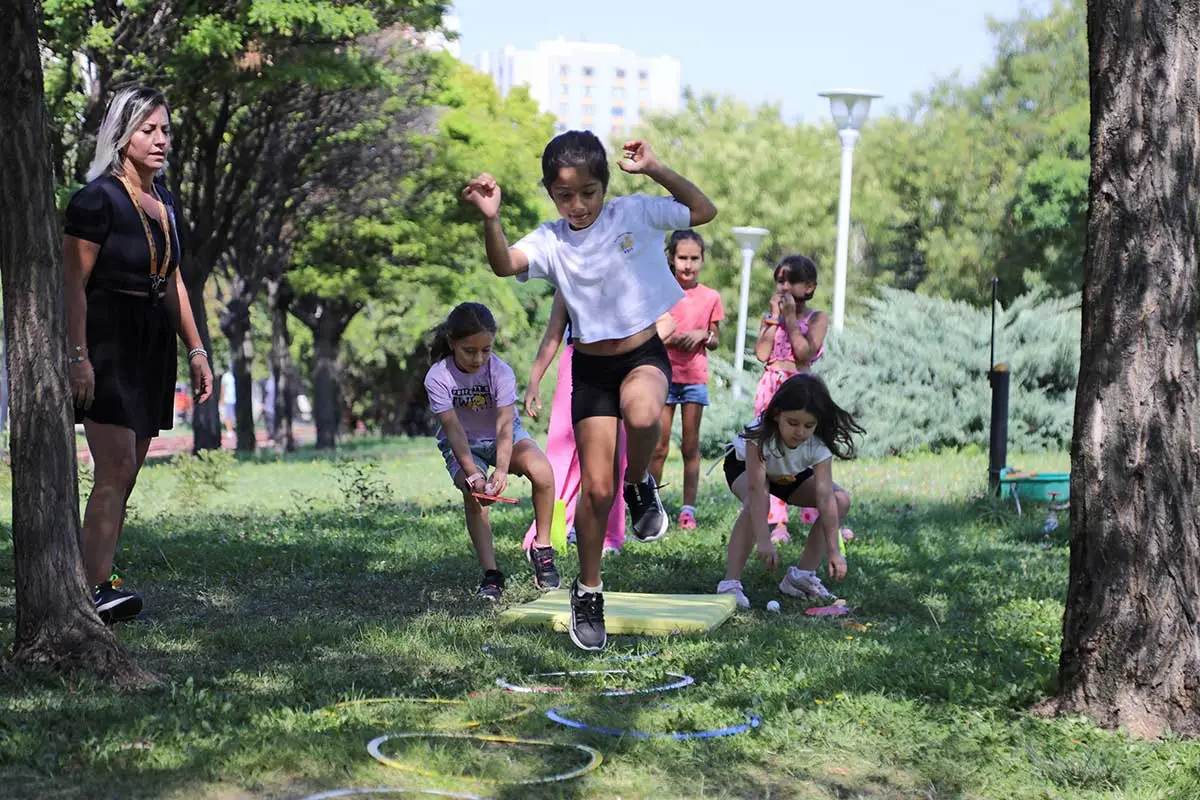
(130, 340)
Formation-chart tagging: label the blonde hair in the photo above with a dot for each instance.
(126, 112)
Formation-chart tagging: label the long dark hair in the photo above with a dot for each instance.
(465, 319)
(685, 235)
(807, 392)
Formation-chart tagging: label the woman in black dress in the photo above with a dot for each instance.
(125, 303)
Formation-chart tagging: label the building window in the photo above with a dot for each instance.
(643, 75)
(618, 111)
(588, 110)
(564, 109)
(564, 71)
(587, 72)
(620, 74)
(560, 127)
(587, 91)
(618, 93)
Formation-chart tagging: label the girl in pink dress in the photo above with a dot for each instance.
(560, 438)
(791, 339)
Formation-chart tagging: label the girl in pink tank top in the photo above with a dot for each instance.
(791, 338)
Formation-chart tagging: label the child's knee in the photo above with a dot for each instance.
(641, 418)
(600, 494)
(843, 501)
(690, 449)
(540, 473)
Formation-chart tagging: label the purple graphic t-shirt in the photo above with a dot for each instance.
(474, 397)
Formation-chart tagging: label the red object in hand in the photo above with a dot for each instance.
(493, 498)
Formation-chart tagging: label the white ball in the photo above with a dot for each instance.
(773, 606)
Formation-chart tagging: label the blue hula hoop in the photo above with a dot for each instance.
(752, 721)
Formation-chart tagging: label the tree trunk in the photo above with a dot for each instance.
(1131, 646)
(327, 339)
(283, 370)
(235, 324)
(206, 416)
(57, 626)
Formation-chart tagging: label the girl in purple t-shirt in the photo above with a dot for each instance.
(473, 394)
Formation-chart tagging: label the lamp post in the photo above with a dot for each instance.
(849, 107)
(748, 239)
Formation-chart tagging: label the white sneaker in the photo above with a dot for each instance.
(804, 583)
(734, 588)
(609, 550)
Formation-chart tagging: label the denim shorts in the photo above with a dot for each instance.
(483, 451)
(680, 393)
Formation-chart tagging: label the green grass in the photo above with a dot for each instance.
(303, 584)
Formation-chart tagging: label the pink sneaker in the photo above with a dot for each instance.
(687, 520)
(780, 535)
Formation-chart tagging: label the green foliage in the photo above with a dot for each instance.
(759, 171)
(199, 475)
(428, 254)
(914, 372)
(362, 484)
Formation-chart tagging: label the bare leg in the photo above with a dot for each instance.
(528, 460)
(692, 414)
(643, 395)
(663, 449)
(741, 539)
(115, 456)
(478, 525)
(597, 439)
(814, 545)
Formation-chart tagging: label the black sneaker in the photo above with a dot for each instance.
(492, 585)
(587, 619)
(646, 509)
(116, 605)
(545, 573)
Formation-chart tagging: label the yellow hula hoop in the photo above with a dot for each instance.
(522, 710)
(595, 757)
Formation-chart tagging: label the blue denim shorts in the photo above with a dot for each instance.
(483, 451)
(680, 393)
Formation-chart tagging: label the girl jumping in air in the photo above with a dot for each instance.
(788, 454)
(473, 394)
(606, 260)
(561, 448)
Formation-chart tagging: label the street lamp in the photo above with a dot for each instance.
(748, 239)
(849, 107)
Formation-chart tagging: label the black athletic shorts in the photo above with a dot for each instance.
(783, 488)
(596, 380)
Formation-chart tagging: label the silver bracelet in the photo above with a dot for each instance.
(197, 351)
(73, 360)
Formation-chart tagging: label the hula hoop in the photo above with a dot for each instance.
(390, 790)
(594, 756)
(522, 710)
(491, 649)
(680, 682)
(752, 721)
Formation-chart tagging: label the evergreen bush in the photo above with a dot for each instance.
(913, 371)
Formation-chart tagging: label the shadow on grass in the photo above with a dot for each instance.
(259, 620)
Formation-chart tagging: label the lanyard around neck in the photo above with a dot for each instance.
(157, 270)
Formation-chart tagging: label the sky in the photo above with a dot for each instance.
(767, 51)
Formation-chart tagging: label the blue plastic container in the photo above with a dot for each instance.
(1036, 486)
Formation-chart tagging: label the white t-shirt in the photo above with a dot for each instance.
(782, 461)
(613, 274)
